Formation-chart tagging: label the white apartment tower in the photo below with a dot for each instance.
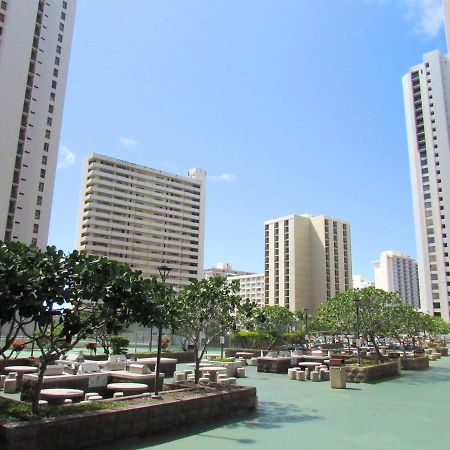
(251, 287)
(396, 272)
(307, 260)
(426, 89)
(35, 40)
(143, 217)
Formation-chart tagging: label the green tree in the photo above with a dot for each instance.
(207, 309)
(78, 293)
(19, 304)
(339, 314)
(275, 321)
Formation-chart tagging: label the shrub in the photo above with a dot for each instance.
(251, 339)
(119, 344)
(293, 338)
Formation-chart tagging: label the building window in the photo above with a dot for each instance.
(33, 242)
(61, 27)
(44, 160)
(46, 146)
(55, 73)
(3, 4)
(39, 200)
(58, 49)
(47, 134)
(60, 37)
(63, 15)
(53, 96)
(37, 214)
(57, 60)
(42, 173)
(54, 84)
(49, 121)
(64, 5)
(35, 228)
(50, 108)
(41, 187)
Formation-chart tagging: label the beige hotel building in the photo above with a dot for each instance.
(307, 260)
(143, 217)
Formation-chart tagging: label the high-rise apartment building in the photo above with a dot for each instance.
(307, 260)
(143, 217)
(35, 40)
(426, 89)
(396, 272)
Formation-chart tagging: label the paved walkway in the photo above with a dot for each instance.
(406, 413)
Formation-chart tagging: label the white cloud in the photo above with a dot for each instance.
(128, 143)
(427, 15)
(66, 157)
(223, 177)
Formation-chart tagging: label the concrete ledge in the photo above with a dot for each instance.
(273, 365)
(158, 416)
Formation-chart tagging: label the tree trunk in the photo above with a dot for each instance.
(377, 350)
(37, 392)
(197, 359)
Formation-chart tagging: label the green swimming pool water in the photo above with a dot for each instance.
(409, 412)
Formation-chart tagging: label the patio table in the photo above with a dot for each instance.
(56, 396)
(21, 371)
(309, 364)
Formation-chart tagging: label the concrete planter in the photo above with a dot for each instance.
(442, 350)
(416, 363)
(273, 365)
(96, 427)
(373, 373)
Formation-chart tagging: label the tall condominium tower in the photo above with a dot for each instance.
(143, 217)
(395, 272)
(307, 260)
(426, 90)
(35, 39)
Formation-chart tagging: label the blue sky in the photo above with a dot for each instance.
(292, 106)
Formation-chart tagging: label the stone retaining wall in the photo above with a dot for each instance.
(416, 363)
(162, 416)
(376, 372)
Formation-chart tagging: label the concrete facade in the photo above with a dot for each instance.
(35, 40)
(307, 260)
(251, 287)
(143, 217)
(426, 89)
(223, 270)
(396, 272)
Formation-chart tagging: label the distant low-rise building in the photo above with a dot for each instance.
(251, 287)
(223, 270)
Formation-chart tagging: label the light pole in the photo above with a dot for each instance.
(306, 325)
(357, 300)
(163, 272)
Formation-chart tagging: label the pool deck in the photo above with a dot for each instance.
(405, 413)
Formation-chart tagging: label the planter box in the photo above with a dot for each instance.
(231, 352)
(442, 350)
(15, 362)
(96, 427)
(372, 373)
(273, 365)
(416, 363)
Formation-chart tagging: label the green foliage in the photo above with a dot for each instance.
(219, 359)
(11, 411)
(274, 321)
(207, 308)
(293, 338)
(339, 314)
(119, 344)
(251, 339)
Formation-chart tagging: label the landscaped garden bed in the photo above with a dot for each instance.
(139, 417)
(373, 372)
